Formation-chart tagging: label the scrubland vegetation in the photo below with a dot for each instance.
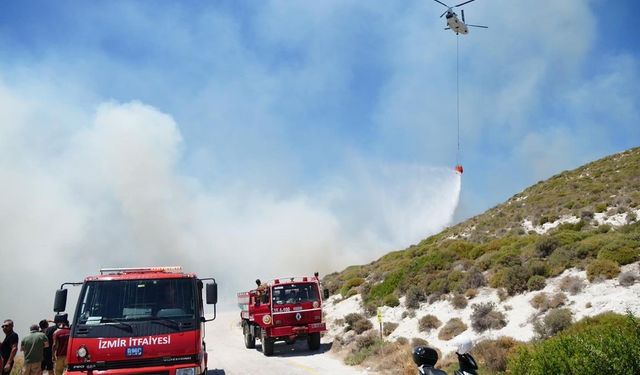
(496, 249)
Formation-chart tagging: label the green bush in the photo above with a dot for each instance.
(592, 347)
(620, 255)
(536, 282)
(546, 245)
(453, 328)
(391, 300)
(388, 286)
(347, 286)
(602, 268)
(514, 280)
(428, 322)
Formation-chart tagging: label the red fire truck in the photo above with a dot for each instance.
(283, 309)
(147, 320)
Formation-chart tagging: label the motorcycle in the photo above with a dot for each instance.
(426, 359)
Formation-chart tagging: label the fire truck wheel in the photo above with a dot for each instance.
(249, 338)
(267, 346)
(314, 341)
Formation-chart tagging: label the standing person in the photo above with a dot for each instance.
(47, 361)
(9, 346)
(33, 346)
(60, 341)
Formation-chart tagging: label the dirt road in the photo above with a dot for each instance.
(228, 356)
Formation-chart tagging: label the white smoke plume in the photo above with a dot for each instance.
(104, 189)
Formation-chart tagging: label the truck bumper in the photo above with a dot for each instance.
(297, 330)
(154, 370)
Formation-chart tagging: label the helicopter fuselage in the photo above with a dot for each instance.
(456, 25)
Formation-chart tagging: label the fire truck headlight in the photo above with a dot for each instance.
(187, 371)
(266, 319)
(82, 352)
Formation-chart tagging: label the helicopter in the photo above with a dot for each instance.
(453, 22)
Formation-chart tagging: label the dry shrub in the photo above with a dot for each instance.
(366, 340)
(388, 328)
(558, 299)
(417, 341)
(474, 279)
(392, 358)
(357, 322)
(540, 302)
(494, 353)
(571, 284)
(402, 340)
(413, 297)
(543, 302)
(433, 298)
(555, 321)
(411, 313)
(458, 301)
(471, 293)
(428, 322)
(502, 294)
(453, 328)
(627, 278)
(485, 317)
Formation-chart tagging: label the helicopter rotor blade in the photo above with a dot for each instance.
(462, 11)
(440, 2)
(480, 26)
(461, 4)
(445, 12)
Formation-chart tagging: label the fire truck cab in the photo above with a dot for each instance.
(283, 309)
(147, 320)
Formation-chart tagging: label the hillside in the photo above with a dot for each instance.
(556, 224)
(550, 250)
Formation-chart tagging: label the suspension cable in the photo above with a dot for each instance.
(458, 95)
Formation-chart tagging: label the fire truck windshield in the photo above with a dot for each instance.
(294, 293)
(136, 300)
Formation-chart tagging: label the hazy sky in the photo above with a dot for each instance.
(248, 139)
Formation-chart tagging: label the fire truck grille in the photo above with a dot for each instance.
(150, 362)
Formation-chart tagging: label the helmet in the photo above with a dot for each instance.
(424, 355)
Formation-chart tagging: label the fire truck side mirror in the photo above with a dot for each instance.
(60, 303)
(212, 293)
(325, 293)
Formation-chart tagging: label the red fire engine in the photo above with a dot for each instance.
(147, 320)
(283, 309)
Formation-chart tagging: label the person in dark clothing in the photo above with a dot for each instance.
(48, 330)
(9, 346)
